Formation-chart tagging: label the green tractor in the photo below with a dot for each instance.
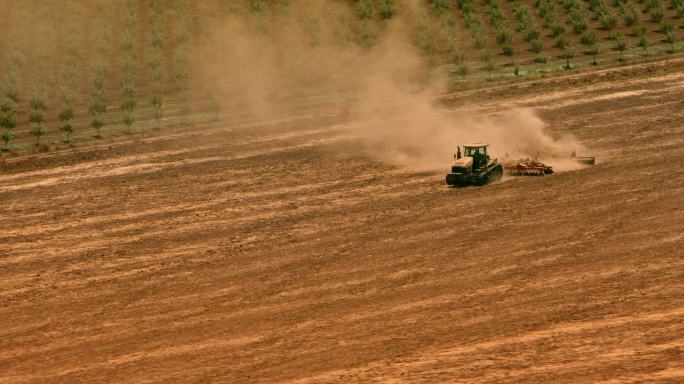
(475, 167)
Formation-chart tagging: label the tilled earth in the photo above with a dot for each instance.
(276, 253)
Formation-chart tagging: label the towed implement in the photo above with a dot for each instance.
(475, 167)
(527, 167)
(534, 167)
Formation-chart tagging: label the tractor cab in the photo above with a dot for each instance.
(475, 150)
(478, 152)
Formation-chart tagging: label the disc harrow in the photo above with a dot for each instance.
(528, 167)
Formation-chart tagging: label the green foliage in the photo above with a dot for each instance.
(369, 35)
(508, 50)
(665, 27)
(588, 38)
(653, 4)
(537, 45)
(670, 38)
(630, 14)
(608, 20)
(656, 15)
(594, 51)
(496, 15)
(440, 6)
(545, 8)
(66, 114)
(639, 30)
(644, 44)
(479, 39)
(561, 43)
(526, 22)
(488, 61)
(98, 104)
(579, 22)
(8, 120)
(8, 114)
(571, 5)
(97, 123)
(615, 36)
(620, 46)
(36, 117)
(6, 137)
(128, 120)
(568, 53)
(128, 102)
(11, 82)
(557, 30)
(503, 35)
(471, 18)
(387, 8)
(531, 34)
(463, 69)
(364, 8)
(541, 59)
(37, 131)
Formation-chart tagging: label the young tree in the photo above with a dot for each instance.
(364, 8)
(387, 8)
(557, 30)
(665, 27)
(128, 103)
(37, 110)
(66, 116)
(630, 14)
(579, 22)
(657, 15)
(588, 38)
(639, 30)
(509, 51)
(607, 20)
(37, 130)
(644, 44)
(568, 54)
(670, 38)
(561, 43)
(537, 45)
(488, 62)
(98, 104)
(593, 51)
(10, 83)
(440, 6)
(463, 69)
(620, 46)
(8, 121)
(425, 38)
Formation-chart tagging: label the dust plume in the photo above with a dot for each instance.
(267, 66)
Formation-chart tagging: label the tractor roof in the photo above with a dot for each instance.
(476, 145)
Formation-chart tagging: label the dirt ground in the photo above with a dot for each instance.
(275, 253)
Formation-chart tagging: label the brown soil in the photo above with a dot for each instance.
(277, 253)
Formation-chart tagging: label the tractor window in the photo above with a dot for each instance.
(471, 151)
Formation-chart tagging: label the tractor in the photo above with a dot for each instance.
(475, 167)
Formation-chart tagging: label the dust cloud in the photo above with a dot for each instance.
(270, 65)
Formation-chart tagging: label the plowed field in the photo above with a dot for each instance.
(277, 253)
